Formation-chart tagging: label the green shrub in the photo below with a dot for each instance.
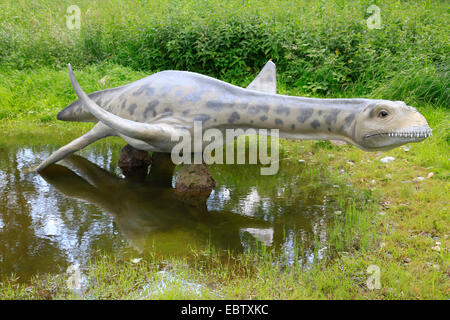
(324, 47)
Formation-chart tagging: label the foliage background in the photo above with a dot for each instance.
(323, 47)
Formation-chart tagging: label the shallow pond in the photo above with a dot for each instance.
(84, 205)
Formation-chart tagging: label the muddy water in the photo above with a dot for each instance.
(84, 205)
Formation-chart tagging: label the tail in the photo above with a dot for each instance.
(76, 111)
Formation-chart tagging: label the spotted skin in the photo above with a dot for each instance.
(144, 113)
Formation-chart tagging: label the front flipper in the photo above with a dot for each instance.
(97, 132)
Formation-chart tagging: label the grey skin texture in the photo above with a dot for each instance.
(108, 99)
(148, 112)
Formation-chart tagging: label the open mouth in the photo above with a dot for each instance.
(402, 134)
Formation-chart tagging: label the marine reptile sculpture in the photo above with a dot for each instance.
(148, 112)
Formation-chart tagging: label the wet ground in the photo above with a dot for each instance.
(84, 205)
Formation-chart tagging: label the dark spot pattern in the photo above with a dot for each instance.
(139, 91)
(332, 116)
(305, 114)
(151, 107)
(349, 119)
(186, 112)
(202, 117)
(234, 117)
(149, 92)
(144, 88)
(168, 112)
(282, 109)
(263, 118)
(258, 109)
(292, 126)
(192, 97)
(216, 105)
(278, 121)
(315, 124)
(132, 107)
(165, 89)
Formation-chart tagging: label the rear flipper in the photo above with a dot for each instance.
(97, 132)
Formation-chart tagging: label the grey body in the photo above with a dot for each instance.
(113, 101)
(148, 112)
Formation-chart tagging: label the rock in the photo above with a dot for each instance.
(338, 142)
(194, 179)
(406, 148)
(161, 171)
(387, 159)
(134, 162)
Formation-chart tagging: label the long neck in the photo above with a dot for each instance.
(302, 118)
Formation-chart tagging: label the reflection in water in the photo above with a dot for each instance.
(65, 216)
(143, 210)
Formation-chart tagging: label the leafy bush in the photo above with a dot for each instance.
(324, 47)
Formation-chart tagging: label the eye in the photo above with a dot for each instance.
(383, 114)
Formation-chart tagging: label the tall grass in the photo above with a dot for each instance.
(322, 47)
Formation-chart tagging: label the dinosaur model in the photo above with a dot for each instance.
(148, 112)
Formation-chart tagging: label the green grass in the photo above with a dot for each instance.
(321, 49)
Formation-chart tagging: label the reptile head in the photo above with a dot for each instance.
(384, 125)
